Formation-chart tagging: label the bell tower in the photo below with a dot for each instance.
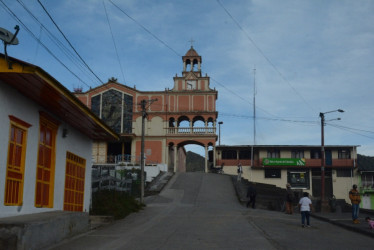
(190, 60)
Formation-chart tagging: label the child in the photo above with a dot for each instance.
(370, 222)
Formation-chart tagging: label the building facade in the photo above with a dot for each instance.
(185, 114)
(299, 165)
(45, 143)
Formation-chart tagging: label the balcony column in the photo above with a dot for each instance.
(206, 127)
(191, 127)
(175, 158)
(206, 159)
(214, 156)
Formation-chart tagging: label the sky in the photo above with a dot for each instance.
(291, 58)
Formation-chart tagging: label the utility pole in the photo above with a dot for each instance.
(324, 202)
(143, 104)
(254, 116)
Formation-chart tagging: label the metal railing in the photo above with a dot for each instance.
(106, 177)
(197, 130)
(124, 160)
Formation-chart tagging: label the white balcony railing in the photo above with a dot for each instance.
(201, 130)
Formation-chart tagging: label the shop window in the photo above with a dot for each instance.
(272, 173)
(74, 182)
(298, 179)
(46, 162)
(16, 162)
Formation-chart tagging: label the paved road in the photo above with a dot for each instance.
(201, 211)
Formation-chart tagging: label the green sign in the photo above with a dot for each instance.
(283, 162)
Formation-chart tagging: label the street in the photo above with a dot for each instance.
(201, 211)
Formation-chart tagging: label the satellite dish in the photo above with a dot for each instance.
(8, 36)
(8, 39)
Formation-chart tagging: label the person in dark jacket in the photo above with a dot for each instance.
(251, 194)
(289, 199)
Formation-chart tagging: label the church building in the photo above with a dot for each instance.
(185, 114)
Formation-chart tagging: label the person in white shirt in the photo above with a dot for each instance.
(305, 205)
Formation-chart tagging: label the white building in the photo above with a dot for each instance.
(46, 142)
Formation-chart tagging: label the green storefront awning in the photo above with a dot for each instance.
(283, 162)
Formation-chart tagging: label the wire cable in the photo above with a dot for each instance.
(144, 28)
(263, 54)
(56, 41)
(114, 42)
(13, 15)
(67, 40)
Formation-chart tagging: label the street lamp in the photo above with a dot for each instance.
(324, 205)
(219, 133)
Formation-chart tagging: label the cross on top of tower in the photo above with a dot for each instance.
(191, 41)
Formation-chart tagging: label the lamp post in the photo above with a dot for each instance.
(324, 204)
(219, 133)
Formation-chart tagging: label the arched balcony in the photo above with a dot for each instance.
(197, 125)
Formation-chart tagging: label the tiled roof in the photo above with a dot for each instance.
(191, 52)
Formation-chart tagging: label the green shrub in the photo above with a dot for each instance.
(114, 203)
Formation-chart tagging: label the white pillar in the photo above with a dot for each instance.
(175, 158)
(206, 159)
(214, 156)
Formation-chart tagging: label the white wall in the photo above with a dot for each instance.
(12, 103)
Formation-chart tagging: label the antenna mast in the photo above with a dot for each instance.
(254, 114)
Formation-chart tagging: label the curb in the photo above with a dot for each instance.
(348, 227)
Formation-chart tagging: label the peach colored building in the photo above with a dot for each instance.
(185, 114)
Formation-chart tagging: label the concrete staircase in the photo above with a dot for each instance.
(268, 197)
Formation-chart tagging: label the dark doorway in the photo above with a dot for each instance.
(316, 183)
(328, 158)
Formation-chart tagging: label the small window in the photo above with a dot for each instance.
(344, 154)
(244, 154)
(297, 153)
(229, 155)
(315, 154)
(367, 179)
(272, 173)
(274, 153)
(343, 172)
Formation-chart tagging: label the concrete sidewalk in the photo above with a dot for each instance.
(344, 219)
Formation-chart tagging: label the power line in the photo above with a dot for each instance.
(13, 15)
(56, 41)
(67, 40)
(263, 54)
(144, 28)
(114, 42)
(352, 130)
(240, 97)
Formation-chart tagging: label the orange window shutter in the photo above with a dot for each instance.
(15, 166)
(74, 182)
